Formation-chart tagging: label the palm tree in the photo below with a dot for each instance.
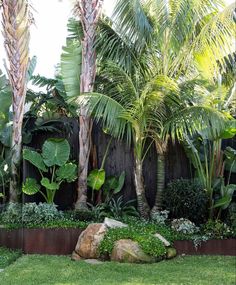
(16, 23)
(170, 38)
(89, 12)
(138, 109)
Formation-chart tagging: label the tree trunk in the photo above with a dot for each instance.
(16, 34)
(143, 206)
(89, 12)
(160, 184)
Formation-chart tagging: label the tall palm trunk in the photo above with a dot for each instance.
(161, 150)
(143, 206)
(89, 12)
(16, 34)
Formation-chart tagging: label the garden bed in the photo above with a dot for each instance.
(60, 241)
(210, 247)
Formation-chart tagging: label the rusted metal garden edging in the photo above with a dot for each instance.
(210, 247)
(59, 241)
(62, 241)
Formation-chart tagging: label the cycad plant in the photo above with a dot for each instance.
(16, 23)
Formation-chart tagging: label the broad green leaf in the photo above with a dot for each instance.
(67, 172)
(55, 152)
(96, 179)
(110, 184)
(34, 158)
(229, 189)
(223, 202)
(30, 187)
(121, 182)
(49, 185)
(2, 195)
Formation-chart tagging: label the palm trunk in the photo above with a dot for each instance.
(143, 206)
(160, 184)
(161, 149)
(89, 11)
(16, 35)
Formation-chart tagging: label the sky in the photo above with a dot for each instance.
(50, 31)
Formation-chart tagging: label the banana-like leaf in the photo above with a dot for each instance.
(55, 152)
(96, 179)
(30, 187)
(71, 59)
(67, 172)
(34, 158)
(53, 186)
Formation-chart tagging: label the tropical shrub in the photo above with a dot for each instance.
(53, 163)
(12, 214)
(184, 226)
(186, 198)
(26, 214)
(160, 217)
(217, 229)
(41, 213)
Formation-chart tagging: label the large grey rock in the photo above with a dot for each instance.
(126, 250)
(111, 223)
(161, 238)
(89, 241)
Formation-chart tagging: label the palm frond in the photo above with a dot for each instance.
(108, 112)
(193, 119)
(42, 81)
(131, 19)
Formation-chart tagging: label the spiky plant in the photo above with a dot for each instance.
(16, 22)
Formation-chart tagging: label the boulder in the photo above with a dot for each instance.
(111, 223)
(161, 238)
(126, 250)
(89, 241)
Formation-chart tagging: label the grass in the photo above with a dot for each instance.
(8, 256)
(60, 270)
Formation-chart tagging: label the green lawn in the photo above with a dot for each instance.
(36, 269)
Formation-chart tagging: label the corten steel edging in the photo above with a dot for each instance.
(60, 241)
(210, 247)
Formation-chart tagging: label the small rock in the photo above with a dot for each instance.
(161, 238)
(75, 256)
(126, 250)
(111, 223)
(171, 253)
(93, 261)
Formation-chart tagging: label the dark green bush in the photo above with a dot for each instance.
(186, 198)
